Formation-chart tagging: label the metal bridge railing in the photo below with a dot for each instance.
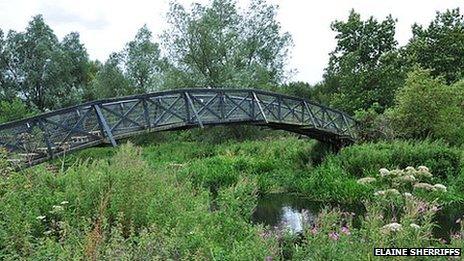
(39, 138)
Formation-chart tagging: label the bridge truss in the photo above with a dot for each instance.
(36, 139)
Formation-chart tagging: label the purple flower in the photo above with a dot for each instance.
(313, 230)
(345, 231)
(334, 235)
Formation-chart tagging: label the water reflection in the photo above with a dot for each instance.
(293, 213)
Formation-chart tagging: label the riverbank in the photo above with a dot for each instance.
(156, 200)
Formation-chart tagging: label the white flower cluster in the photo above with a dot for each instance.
(430, 187)
(392, 227)
(387, 192)
(415, 226)
(366, 180)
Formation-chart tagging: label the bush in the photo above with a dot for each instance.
(427, 107)
(366, 159)
(14, 110)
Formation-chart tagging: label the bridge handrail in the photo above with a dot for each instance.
(162, 93)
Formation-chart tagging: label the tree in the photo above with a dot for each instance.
(427, 107)
(365, 67)
(440, 46)
(45, 73)
(110, 80)
(298, 89)
(141, 62)
(75, 68)
(220, 45)
(6, 92)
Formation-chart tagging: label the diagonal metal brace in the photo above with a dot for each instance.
(193, 109)
(259, 106)
(104, 125)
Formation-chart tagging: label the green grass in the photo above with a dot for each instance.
(155, 201)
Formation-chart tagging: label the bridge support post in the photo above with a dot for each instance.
(104, 125)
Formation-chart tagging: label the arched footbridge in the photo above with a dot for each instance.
(36, 139)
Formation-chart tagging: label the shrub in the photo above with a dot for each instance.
(366, 159)
(427, 107)
(14, 110)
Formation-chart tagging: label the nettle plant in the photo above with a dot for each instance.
(396, 201)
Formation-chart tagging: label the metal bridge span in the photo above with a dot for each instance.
(36, 139)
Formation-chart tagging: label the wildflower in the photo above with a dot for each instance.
(422, 207)
(415, 226)
(392, 192)
(396, 173)
(407, 178)
(425, 186)
(458, 221)
(346, 230)
(64, 202)
(334, 235)
(392, 227)
(57, 208)
(423, 172)
(384, 172)
(440, 187)
(366, 180)
(40, 217)
(379, 193)
(407, 194)
(313, 230)
(423, 169)
(409, 168)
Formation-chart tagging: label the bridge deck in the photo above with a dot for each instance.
(36, 139)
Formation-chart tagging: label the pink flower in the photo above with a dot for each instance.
(345, 231)
(334, 235)
(313, 230)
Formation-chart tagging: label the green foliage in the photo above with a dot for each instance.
(219, 45)
(374, 126)
(427, 107)
(298, 89)
(49, 74)
(141, 62)
(152, 203)
(364, 67)
(367, 159)
(330, 182)
(440, 46)
(13, 110)
(121, 209)
(110, 80)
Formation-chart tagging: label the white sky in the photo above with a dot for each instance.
(105, 25)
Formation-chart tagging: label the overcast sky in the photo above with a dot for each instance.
(105, 25)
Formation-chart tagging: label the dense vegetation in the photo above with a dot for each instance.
(191, 195)
(163, 201)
